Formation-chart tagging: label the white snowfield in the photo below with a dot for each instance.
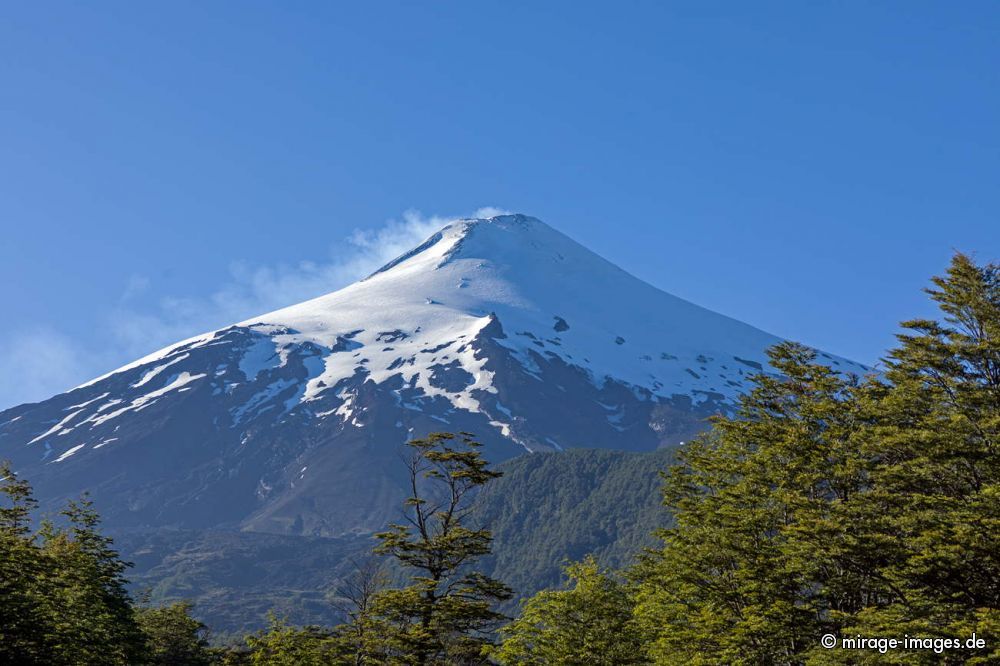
(552, 297)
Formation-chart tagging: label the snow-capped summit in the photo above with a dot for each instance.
(290, 421)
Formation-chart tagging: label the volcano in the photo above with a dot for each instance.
(292, 422)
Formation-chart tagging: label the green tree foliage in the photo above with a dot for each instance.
(359, 592)
(937, 472)
(447, 612)
(174, 637)
(754, 503)
(589, 624)
(23, 625)
(284, 645)
(63, 589)
(63, 595)
(94, 621)
(549, 508)
(828, 505)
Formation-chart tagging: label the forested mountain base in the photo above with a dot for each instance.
(552, 508)
(235, 578)
(546, 509)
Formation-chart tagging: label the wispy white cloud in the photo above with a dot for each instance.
(140, 328)
(38, 363)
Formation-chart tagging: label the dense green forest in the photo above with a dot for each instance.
(547, 508)
(827, 505)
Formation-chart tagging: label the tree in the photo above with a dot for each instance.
(446, 614)
(828, 505)
(591, 623)
(23, 625)
(284, 645)
(758, 564)
(936, 439)
(86, 593)
(358, 592)
(173, 636)
(63, 589)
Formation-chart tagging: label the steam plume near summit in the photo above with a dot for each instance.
(39, 359)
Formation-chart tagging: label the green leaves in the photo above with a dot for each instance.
(589, 623)
(832, 505)
(174, 636)
(24, 627)
(937, 424)
(282, 645)
(63, 588)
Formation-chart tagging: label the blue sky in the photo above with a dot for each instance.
(168, 168)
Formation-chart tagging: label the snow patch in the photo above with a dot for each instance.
(69, 452)
(145, 400)
(157, 370)
(258, 401)
(57, 427)
(260, 356)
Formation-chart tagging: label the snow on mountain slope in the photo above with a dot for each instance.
(501, 326)
(555, 296)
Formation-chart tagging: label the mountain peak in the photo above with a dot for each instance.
(528, 276)
(451, 237)
(506, 221)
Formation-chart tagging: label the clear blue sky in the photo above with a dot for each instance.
(802, 166)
